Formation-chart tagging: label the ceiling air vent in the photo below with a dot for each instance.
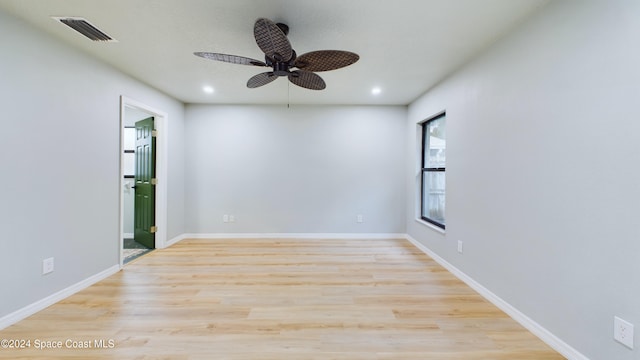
(85, 28)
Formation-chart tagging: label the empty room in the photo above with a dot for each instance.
(362, 179)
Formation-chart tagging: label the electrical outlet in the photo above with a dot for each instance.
(460, 246)
(623, 332)
(359, 218)
(47, 266)
(232, 218)
(225, 218)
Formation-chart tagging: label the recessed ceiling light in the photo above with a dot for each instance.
(376, 90)
(207, 89)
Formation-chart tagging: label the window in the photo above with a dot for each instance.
(129, 151)
(434, 148)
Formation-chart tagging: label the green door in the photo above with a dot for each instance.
(145, 192)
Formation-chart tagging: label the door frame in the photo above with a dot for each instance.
(161, 118)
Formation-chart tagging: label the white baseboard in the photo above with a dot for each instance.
(128, 235)
(294, 236)
(545, 335)
(29, 310)
(175, 240)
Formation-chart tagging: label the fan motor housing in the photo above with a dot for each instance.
(281, 69)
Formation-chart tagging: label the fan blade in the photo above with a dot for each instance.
(271, 40)
(261, 79)
(307, 80)
(234, 59)
(325, 60)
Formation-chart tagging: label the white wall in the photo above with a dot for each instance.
(59, 142)
(304, 169)
(543, 171)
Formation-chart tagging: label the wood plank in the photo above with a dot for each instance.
(279, 299)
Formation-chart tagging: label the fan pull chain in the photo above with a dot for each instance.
(288, 94)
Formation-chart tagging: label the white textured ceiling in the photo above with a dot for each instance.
(405, 46)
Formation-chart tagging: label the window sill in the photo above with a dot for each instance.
(431, 226)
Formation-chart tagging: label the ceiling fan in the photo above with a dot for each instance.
(278, 54)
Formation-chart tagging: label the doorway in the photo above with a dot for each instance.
(132, 112)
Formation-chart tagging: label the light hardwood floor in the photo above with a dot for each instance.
(279, 299)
